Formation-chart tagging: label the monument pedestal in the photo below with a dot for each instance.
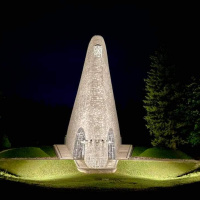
(111, 167)
(124, 153)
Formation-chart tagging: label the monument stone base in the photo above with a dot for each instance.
(110, 168)
(124, 153)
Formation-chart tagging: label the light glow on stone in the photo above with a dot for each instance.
(94, 110)
(93, 135)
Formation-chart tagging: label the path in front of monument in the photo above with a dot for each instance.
(131, 158)
(36, 158)
(163, 159)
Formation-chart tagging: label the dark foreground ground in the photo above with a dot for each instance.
(18, 190)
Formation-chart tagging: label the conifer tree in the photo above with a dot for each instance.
(188, 111)
(161, 100)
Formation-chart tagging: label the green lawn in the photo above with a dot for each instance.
(138, 150)
(28, 152)
(156, 152)
(48, 151)
(130, 174)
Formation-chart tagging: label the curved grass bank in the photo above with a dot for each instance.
(156, 152)
(50, 169)
(131, 174)
(164, 153)
(28, 152)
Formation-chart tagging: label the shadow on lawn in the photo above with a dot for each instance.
(22, 190)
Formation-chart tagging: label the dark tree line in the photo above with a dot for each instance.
(28, 123)
(172, 103)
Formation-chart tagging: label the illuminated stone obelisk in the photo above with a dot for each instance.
(93, 137)
(93, 132)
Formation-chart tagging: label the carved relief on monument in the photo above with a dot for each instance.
(111, 145)
(79, 147)
(98, 50)
(96, 148)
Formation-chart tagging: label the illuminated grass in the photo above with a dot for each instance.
(39, 169)
(138, 150)
(49, 150)
(164, 153)
(24, 152)
(151, 169)
(29, 152)
(131, 174)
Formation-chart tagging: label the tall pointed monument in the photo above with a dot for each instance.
(93, 136)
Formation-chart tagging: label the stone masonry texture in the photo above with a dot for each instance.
(93, 133)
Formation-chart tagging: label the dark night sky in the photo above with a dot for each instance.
(43, 46)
